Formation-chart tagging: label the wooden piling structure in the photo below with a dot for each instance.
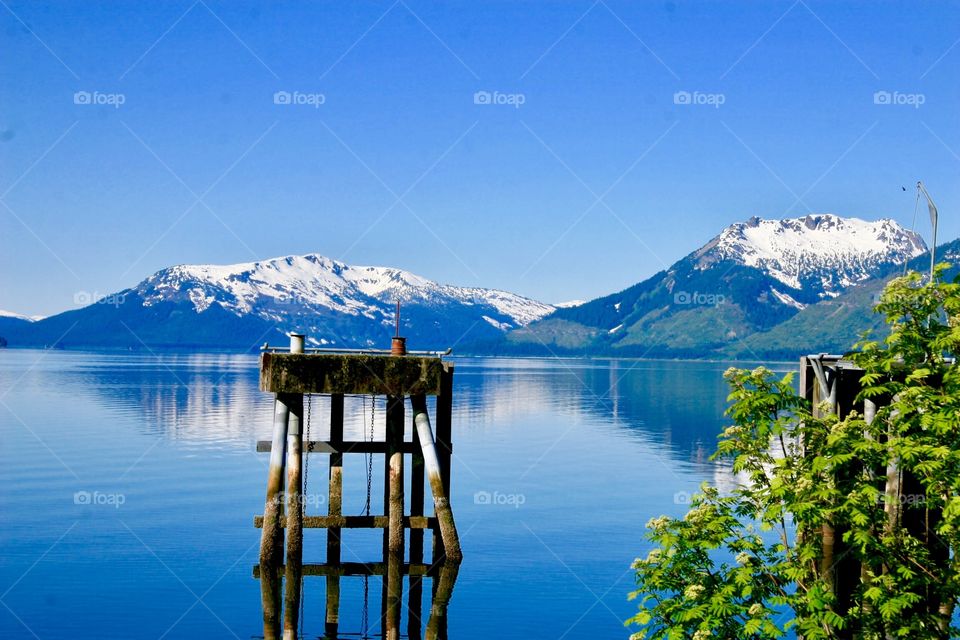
(294, 505)
(334, 509)
(397, 375)
(832, 384)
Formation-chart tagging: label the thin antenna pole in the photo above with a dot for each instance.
(397, 321)
(933, 220)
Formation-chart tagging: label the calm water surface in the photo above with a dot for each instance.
(130, 482)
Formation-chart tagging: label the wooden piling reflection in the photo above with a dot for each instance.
(270, 586)
(444, 577)
(442, 594)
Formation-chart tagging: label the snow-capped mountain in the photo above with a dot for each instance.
(752, 276)
(275, 288)
(245, 305)
(823, 253)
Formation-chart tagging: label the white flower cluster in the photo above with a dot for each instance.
(694, 591)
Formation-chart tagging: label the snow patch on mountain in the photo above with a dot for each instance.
(828, 251)
(787, 300)
(19, 316)
(503, 326)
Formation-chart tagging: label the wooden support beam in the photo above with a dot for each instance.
(441, 502)
(271, 538)
(393, 505)
(323, 446)
(343, 569)
(353, 374)
(394, 474)
(444, 444)
(356, 522)
(444, 434)
(415, 595)
(335, 509)
(294, 506)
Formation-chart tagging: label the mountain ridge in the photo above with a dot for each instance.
(245, 304)
(737, 290)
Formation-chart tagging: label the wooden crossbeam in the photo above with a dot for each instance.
(322, 446)
(356, 522)
(357, 569)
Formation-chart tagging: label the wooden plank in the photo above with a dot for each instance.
(351, 374)
(355, 522)
(321, 446)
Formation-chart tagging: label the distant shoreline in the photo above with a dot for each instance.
(185, 350)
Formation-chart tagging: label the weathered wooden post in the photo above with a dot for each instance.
(393, 500)
(294, 505)
(441, 503)
(334, 508)
(271, 535)
(415, 596)
(444, 446)
(393, 535)
(837, 383)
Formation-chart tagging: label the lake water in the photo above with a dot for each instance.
(130, 482)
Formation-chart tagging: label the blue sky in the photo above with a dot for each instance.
(596, 181)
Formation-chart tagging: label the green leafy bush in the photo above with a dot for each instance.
(825, 497)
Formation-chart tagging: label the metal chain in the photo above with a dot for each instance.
(364, 613)
(306, 450)
(373, 409)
